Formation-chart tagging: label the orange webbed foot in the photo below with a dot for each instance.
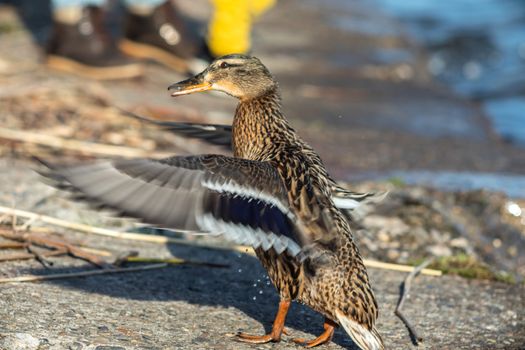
(258, 339)
(325, 337)
(277, 329)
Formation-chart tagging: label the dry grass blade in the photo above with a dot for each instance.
(87, 228)
(401, 268)
(368, 263)
(404, 290)
(34, 278)
(123, 257)
(84, 147)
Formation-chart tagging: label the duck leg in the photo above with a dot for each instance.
(325, 337)
(277, 328)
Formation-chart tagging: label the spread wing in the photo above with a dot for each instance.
(244, 200)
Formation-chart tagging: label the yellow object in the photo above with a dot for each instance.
(230, 27)
(174, 260)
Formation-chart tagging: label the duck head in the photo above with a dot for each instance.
(240, 76)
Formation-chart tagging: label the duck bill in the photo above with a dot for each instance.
(189, 86)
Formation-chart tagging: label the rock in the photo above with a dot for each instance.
(383, 236)
(392, 254)
(439, 250)
(19, 341)
(461, 243)
(393, 225)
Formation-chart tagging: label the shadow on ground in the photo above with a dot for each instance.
(242, 285)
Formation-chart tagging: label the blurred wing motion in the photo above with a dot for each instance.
(356, 205)
(347, 199)
(216, 134)
(243, 200)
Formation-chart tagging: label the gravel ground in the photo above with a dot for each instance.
(197, 308)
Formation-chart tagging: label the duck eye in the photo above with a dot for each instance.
(224, 65)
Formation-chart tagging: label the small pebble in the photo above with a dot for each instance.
(496, 243)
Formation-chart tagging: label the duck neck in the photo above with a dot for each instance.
(259, 127)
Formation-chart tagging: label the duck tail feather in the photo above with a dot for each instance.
(365, 338)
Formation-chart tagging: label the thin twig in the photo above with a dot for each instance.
(94, 251)
(83, 147)
(13, 245)
(54, 244)
(39, 257)
(72, 250)
(404, 293)
(28, 256)
(33, 278)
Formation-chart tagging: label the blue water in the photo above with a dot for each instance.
(512, 185)
(478, 48)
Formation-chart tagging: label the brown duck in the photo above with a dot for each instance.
(274, 194)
